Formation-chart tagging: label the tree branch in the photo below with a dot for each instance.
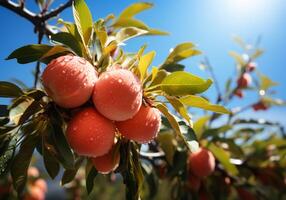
(57, 11)
(20, 10)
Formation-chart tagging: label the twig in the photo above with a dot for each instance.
(57, 11)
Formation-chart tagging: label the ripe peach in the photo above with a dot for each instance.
(33, 172)
(35, 193)
(108, 162)
(244, 80)
(259, 106)
(251, 66)
(194, 182)
(69, 80)
(143, 127)
(41, 183)
(239, 93)
(90, 134)
(118, 94)
(201, 162)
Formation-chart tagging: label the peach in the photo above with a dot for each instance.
(244, 80)
(108, 162)
(118, 94)
(69, 80)
(239, 93)
(35, 193)
(90, 134)
(251, 66)
(33, 172)
(41, 183)
(201, 162)
(143, 127)
(259, 106)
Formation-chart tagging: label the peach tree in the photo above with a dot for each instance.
(98, 109)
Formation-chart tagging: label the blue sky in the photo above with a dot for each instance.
(208, 23)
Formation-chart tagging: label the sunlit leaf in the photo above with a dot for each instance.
(199, 125)
(257, 53)
(183, 83)
(181, 52)
(128, 33)
(83, 20)
(168, 143)
(145, 62)
(180, 108)
(156, 32)
(237, 57)
(224, 159)
(130, 22)
(200, 102)
(173, 67)
(266, 82)
(134, 9)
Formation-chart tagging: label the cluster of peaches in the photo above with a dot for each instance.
(37, 187)
(117, 109)
(201, 163)
(244, 81)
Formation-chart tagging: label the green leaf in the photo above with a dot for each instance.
(128, 33)
(257, 53)
(56, 50)
(9, 90)
(69, 40)
(134, 9)
(49, 154)
(266, 82)
(224, 159)
(7, 155)
(238, 58)
(16, 112)
(129, 22)
(145, 62)
(173, 67)
(31, 110)
(173, 122)
(29, 53)
(183, 83)
(156, 32)
(157, 77)
(90, 179)
(200, 124)
(216, 131)
(83, 20)
(180, 108)
(200, 102)
(69, 174)
(22, 161)
(181, 52)
(168, 143)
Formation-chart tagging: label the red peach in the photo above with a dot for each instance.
(251, 66)
(69, 80)
(90, 134)
(35, 193)
(239, 93)
(33, 172)
(244, 80)
(143, 127)
(245, 195)
(41, 183)
(201, 162)
(108, 162)
(259, 106)
(118, 94)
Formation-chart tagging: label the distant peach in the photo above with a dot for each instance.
(143, 127)
(251, 66)
(35, 193)
(260, 106)
(90, 134)
(194, 182)
(245, 195)
(69, 80)
(33, 172)
(239, 93)
(118, 94)
(244, 80)
(41, 183)
(201, 162)
(107, 162)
